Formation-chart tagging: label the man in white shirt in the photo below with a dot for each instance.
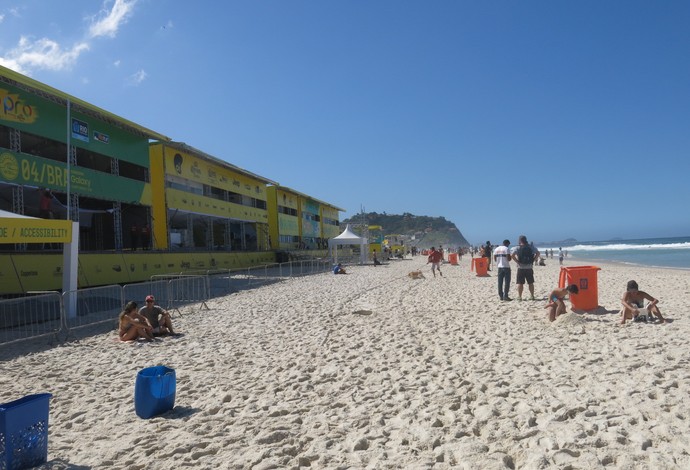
(502, 259)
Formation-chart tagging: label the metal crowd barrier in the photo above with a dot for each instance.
(185, 289)
(92, 306)
(53, 313)
(157, 287)
(33, 316)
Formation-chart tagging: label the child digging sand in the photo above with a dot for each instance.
(556, 305)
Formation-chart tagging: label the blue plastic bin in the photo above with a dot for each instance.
(24, 432)
(154, 392)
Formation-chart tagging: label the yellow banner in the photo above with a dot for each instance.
(16, 109)
(181, 200)
(182, 164)
(21, 230)
(9, 283)
(39, 272)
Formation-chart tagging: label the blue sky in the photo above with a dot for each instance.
(552, 119)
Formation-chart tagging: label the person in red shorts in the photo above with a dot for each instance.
(435, 258)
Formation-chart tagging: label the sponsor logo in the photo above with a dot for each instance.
(15, 109)
(80, 130)
(9, 168)
(100, 137)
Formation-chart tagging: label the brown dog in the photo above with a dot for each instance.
(416, 274)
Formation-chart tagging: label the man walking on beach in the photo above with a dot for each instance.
(502, 259)
(435, 258)
(524, 256)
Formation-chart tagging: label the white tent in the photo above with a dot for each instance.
(348, 237)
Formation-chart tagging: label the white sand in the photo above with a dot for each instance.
(376, 370)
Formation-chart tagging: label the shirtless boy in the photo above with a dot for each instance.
(556, 305)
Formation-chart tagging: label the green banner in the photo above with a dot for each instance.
(26, 112)
(20, 168)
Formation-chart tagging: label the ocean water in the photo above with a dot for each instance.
(660, 252)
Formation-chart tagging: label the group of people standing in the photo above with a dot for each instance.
(524, 255)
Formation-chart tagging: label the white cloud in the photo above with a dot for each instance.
(13, 65)
(110, 21)
(117, 63)
(43, 53)
(138, 77)
(46, 53)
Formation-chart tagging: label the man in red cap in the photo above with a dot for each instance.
(158, 318)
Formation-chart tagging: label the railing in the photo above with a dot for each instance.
(92, 306)
(39, 314)
(58, 314)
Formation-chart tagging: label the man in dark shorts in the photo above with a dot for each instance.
(524, 255)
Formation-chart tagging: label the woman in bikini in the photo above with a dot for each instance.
(133, 325)
(636, 302)
(556, 305)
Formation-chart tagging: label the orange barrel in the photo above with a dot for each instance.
(453, 258)
(480, 266)
(585, 278)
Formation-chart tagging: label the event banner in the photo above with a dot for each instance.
(29, 230)
(27, 169)
(205, 205)
(27, 112)
(310, 228)
(184, 165)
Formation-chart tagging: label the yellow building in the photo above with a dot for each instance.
(202, 202)
(297, 221)
(143, 208)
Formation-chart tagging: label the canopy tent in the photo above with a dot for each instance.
(348, 237)
(17, 228)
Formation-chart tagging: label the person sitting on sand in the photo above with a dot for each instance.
(157, 318)
(634, 306)
(556, 304)
(338, 269)
(132, 325)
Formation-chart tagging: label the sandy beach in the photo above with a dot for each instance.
(377, 370)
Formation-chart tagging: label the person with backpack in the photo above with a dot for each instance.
(524, 255)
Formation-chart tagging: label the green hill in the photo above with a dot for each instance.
(427, 231)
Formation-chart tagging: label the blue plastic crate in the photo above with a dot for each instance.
(154, 391)
(24, 432)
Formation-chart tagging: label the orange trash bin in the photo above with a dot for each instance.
(453, 258)
(585, 278)
(480, 266)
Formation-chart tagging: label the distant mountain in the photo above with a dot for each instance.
(427, 231)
